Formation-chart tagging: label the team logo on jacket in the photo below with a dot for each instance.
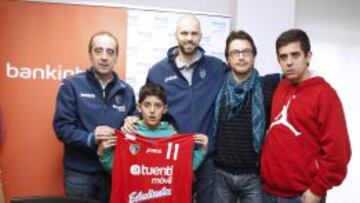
(118, 99)
(87, 95)
(119, 108)
(170, 78)
(202, 73)
(134, 148)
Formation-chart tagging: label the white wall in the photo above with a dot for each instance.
(264, 20)
(334, 29)
(212, 6)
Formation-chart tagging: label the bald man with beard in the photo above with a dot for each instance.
(191, 80)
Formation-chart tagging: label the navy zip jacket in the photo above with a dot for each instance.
(192, 107)
(80, 108)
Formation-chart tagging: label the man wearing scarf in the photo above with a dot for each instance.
(242, 110)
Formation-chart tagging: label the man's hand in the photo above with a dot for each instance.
(202, 140)
(310, 197)
(103, 133)
(130, 124)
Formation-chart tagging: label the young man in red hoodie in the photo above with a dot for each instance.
(307, 149)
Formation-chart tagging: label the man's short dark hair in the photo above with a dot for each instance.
(241, 35)
(291, 36)
(152, 89)
(103, 33)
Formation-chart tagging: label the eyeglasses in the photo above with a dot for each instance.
(244, 52)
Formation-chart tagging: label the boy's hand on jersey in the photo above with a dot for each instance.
(202, 140)
(103, 133)
(130, 124)
(106, 144)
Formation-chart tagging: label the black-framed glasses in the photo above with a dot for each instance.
(244, 52)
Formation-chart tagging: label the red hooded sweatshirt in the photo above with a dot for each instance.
(307, 146)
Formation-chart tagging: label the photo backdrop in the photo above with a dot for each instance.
(41, 43)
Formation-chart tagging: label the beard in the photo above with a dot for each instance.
(190, 51)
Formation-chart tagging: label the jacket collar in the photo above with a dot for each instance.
(116, 83)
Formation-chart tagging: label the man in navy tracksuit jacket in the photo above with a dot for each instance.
(191, 106)
(192, 81)
(89, 107)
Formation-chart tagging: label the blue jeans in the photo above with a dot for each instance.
(204, 185)
(91, 186)
(268, 198)
(245, 187)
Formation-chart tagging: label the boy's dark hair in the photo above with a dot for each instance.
(241, 35)
(152, 89)
(291, 36)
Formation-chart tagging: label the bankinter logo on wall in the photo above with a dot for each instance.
(40, 73)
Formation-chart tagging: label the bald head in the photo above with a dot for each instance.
(188, 35)
(188, 20)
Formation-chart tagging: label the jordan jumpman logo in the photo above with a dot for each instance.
(281, 118)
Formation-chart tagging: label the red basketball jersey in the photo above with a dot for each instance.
(152, 169)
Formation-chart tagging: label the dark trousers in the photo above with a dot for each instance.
(204, 185)
(92, 186)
